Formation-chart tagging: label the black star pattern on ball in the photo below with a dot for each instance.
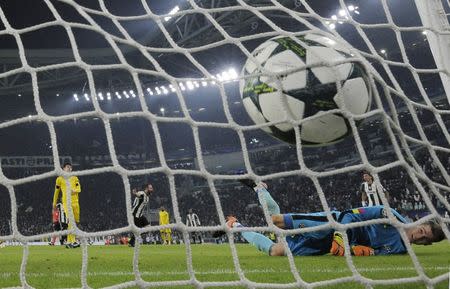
(317, 96)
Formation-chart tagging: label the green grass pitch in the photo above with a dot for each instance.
(57, 267)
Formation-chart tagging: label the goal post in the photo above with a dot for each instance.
(434, 16)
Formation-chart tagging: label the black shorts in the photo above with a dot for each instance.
(141, 222)
(59, 226)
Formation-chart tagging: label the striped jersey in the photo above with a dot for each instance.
(373, 193)
(192, 220)
(139, 204)
(58, 215)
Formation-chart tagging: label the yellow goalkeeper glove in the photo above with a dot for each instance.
(337, 246)
(359, 250)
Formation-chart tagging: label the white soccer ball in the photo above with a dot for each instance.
(306, 92)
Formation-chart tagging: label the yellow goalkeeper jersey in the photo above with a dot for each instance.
(61, 186)
(163, 217)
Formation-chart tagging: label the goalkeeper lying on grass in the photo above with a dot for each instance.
(377, 239)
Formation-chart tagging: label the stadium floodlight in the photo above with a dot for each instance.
(164, 89)
(254, 141)
(86, 96)
(233, 74)
(182, 86)
(132, 93)
(126, 94)
(334, 17)
(173, 11)
(383, 51)
(158, 91)
(204, 83)
(189, 85)
(342, 13)
(172, 88)
(118, 95)
(424, 32)
(149, 91)
(100, 95)
(196, 84)
(76, 97)
(332, 26)
(225, 76)
(351, 8)
(57, 94)
(108, 96)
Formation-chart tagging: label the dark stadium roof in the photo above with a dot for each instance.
(57, 86)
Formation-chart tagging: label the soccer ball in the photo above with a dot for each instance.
(305, 92)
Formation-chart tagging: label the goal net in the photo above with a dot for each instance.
(149, 92)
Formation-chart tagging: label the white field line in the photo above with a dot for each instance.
(219, 272)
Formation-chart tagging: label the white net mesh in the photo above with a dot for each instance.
(174, 56)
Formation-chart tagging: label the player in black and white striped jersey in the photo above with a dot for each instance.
(139, 203)
(370, 191)
(59, 220)
(192, 220)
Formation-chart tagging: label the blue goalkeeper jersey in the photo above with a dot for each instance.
(383, 238)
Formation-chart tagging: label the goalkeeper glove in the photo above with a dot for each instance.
(337, 246)
(359, 250)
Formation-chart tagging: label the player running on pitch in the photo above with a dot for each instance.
(376, 239)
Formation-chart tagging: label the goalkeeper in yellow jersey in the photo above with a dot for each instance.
(75, 189)
(166, 234)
